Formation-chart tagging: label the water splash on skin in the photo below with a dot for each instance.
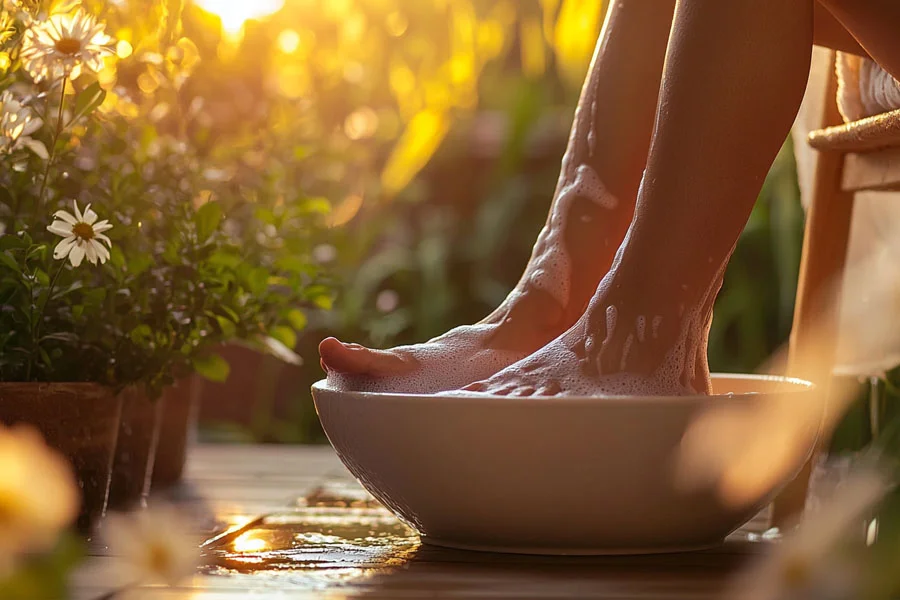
(641, 328)
(592, 136)
(552, 264)
(654, 326)
(445, 363)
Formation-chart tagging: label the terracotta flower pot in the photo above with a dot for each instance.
(139, 429)
(177, 430)
(81, 420)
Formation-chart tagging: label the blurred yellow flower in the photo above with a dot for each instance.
(155, 545)
(809, 563)
(38, 495)
(17, 123)
(81, 235)
(63, 44)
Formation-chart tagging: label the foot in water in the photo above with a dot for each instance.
(631, 341)
(572, 253)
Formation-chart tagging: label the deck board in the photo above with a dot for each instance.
(331, 550)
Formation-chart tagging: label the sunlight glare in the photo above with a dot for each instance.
(234, 13)
(248, 543)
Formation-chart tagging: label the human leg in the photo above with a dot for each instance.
(591, 210)
(734, 78)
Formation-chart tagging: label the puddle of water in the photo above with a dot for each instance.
(337, 533)
(321, 538)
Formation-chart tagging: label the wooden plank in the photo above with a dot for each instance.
(877, 171)
(823, 256)
(337, 542)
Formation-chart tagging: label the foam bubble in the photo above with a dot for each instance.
(640, 327)
(448, 362)
(551, 263)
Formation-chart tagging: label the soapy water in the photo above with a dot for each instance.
(444, 363)
(552, 264)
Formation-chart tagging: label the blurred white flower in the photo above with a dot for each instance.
(812, 562)
(17, 123)
(63, 44)
(38, 495)
(81, 234)
(155, 545)
(324, 253)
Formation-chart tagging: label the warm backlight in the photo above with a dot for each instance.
(234, 13)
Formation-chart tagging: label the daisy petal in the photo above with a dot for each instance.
(90, 252)
(89, 216)
(102, 226)
(60, 228)
(63, 247)
(100, 236)
(78, 215)
(76, 255)
(100, 249)
(65, 216)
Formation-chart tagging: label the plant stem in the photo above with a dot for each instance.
(57, 132)
(36, 334)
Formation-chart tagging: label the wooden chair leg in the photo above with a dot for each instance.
(822, 263)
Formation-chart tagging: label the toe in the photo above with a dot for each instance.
(504, 390)
(478, 386)
(359, 360)
(552, 388)
(524, 391)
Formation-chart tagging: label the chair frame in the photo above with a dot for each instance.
(852, 157)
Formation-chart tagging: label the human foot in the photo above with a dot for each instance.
(628, 342)
(572, 253)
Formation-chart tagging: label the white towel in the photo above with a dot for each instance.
(864, 88)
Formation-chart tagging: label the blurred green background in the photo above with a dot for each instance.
(444, 123)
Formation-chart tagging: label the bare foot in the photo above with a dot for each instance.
(572, 253)
(628, 342)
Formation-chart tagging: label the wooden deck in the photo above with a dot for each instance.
(330, 540)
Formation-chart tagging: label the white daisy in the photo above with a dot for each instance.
(17, 123)
(63, 44)
(38, 495)
(156, 545)
(82, 236)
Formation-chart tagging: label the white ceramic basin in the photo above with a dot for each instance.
(542, 475)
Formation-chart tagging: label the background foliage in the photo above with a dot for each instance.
(452, 116)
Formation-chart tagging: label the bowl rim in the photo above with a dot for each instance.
(797, 386)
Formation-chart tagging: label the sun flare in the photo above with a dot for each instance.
(234, 13)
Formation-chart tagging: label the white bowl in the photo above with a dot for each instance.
(542, 475)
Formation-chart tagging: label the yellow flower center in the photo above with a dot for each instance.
(68, 46)
(83, 231)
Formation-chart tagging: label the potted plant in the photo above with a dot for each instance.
(131, 246)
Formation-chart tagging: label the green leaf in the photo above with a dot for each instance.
(88, 100)
(227, 326)
(285, 335)
(207, 219)
(141, 334)
(258, 281)
(9, 261)
(297, 319)
(212, 366)
(324, 302)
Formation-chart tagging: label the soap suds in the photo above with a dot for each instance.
(552, 264)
